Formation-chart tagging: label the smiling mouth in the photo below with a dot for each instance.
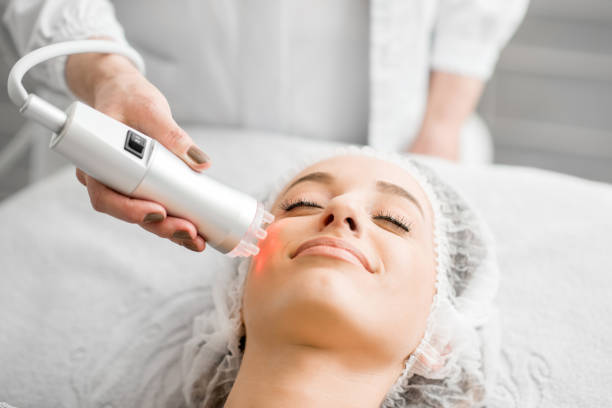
(333, 248)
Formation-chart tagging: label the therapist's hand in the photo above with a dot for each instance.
(112, 85)
(450, 101)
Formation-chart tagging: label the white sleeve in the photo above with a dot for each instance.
(35, 23)
(469, 34)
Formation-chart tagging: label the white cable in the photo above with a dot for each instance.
(40, 110)
(35, 108)
(16, 90)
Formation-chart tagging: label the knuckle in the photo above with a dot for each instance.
(130, 212)
(175, 137)
(147, 106)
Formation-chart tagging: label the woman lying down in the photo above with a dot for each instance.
(373, 288)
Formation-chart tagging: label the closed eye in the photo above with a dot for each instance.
(396, 221)
(399, 222)
(290, 205)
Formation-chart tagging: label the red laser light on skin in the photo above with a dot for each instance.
(267, 247)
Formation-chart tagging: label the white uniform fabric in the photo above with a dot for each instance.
(296, 67)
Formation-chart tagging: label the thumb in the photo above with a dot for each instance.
(161, 126)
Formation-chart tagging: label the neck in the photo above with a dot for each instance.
(304, 376)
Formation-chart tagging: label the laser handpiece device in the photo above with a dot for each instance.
(136, 165)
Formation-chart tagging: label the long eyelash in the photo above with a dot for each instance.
(290, 205)
(399, 221)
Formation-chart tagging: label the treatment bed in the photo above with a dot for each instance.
(94, 311)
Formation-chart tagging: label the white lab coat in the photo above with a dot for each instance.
(350, 70)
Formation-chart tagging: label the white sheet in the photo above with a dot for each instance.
(93, 311)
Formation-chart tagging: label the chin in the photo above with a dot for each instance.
(326, 282)
(317, 306)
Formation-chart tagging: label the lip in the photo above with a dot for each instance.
(335, 243)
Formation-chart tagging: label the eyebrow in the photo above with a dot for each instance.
(318, 176)
(381, 186)
(390, 188)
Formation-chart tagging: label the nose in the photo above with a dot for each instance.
(342, 215)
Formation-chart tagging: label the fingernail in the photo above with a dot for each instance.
(153, 217)
(190, 245)
(181, 234)
(197, 155)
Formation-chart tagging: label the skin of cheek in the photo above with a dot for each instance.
(267, 249)
(267, 286)
(407, 290)
(415, 302)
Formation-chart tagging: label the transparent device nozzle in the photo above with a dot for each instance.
(248, 244)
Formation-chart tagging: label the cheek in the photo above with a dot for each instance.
(268, 248)
(413, 276)
(281, 234)
(268, 266)
(261, 277)
(408, 290)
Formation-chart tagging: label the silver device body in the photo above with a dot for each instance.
(136, 165)
(100, 146)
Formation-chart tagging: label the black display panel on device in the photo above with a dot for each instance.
(135, 144)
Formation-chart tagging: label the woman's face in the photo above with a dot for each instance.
(348, 262)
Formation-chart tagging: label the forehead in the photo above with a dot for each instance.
(356, 171)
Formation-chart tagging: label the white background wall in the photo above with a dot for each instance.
(548, 105)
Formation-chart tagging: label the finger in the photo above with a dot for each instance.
(157, 122)
(80, 175)
(197, 245)
(172, 227)
(179, 231)
(131, 210)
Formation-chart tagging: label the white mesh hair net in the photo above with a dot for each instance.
(454, 364)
